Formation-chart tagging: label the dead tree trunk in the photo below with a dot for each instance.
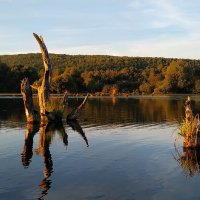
(44, 89)
(31, 114)
(44, 93)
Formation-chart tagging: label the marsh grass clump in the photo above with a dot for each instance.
(189, 128)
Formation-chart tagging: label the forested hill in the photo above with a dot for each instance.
(81, 73)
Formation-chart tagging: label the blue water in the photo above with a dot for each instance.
(124, 150)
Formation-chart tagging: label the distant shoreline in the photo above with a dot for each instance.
(100, 95)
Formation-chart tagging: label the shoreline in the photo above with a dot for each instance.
(97, 95)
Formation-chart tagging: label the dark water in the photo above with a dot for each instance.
(120, 148)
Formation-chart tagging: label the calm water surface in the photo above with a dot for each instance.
(120, 148)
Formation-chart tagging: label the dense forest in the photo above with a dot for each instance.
(103, 74)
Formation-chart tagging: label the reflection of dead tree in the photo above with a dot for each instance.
(76, 127)
(27, 152)
(63, 135)
(47, 133)
(43, 149)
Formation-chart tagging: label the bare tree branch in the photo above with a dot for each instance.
(76, 112)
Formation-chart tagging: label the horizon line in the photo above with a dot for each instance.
(23, 53)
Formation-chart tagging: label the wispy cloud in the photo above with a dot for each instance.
(168, 28)
(153, 48)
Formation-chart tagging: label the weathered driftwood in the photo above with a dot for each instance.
(76, 111)
(31, 114)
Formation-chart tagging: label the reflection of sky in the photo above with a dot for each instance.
(130, 27)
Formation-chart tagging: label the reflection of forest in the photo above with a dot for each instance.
(111, 110)
(46, 137)
(141, 110)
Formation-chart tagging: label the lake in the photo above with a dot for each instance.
(120, 148)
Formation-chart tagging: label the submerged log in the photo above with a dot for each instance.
(76, 111)
(31, 114)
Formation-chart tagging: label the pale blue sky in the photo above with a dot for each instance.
(158, 28)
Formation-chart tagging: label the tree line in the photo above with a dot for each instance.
(102, 74)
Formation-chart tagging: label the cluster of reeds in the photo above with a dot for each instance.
(189, 128)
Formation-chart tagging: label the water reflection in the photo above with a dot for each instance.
(45, 139)
(46, 136)
(76, 127)
(188, 160)
(103, 111)
(27, 152)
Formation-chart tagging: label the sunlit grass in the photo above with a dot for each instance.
(189, 128)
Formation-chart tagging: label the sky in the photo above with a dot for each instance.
(150, 28)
